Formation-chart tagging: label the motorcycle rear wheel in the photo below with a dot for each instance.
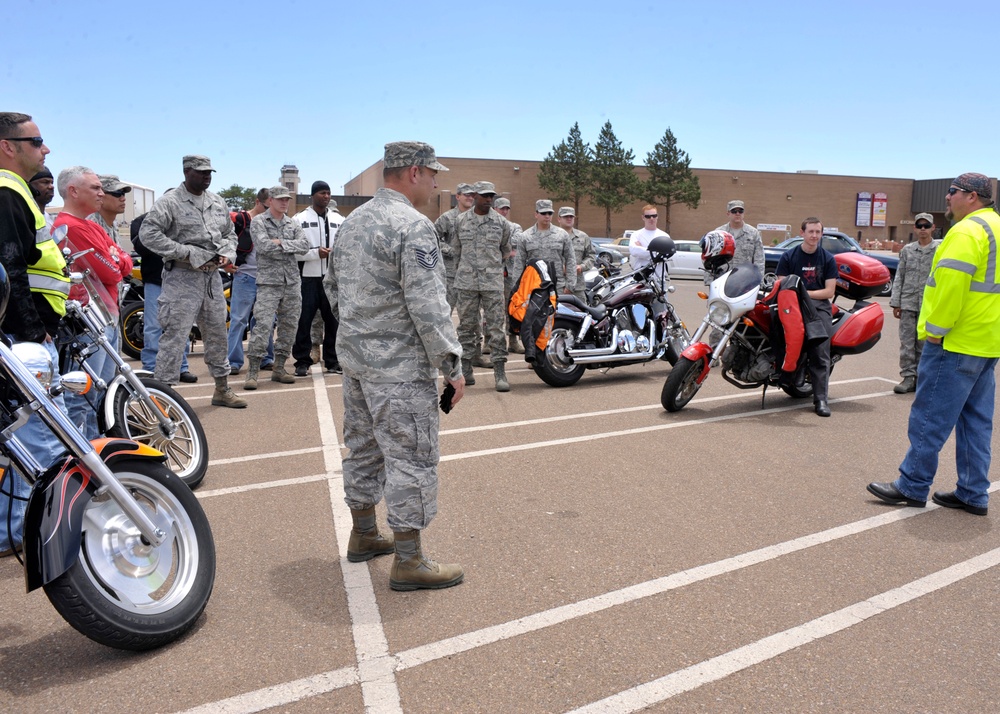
(681, 384)
(128, 595)
(132, 326)
(187, 451)
(550, 367)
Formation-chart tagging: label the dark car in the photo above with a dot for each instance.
(834, 242)
(602, 246)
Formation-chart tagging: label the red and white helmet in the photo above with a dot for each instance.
(717, 248)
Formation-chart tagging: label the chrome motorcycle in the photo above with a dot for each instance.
(631, 322)
(119, 543)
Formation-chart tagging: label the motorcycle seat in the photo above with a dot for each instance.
(597, 312)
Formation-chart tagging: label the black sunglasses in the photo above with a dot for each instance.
(35, 141)
(116, 194)
(954, 189)
(545, 213)
(652, 215)
(737, 210)
(924, 226)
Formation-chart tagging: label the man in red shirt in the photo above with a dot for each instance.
(82, 195)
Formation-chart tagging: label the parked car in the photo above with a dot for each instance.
(835, 242)
(602, 246)
(686, 262)
(620, 244)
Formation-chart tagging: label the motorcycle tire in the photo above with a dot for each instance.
(125, 594)
(187, 451)
(551, 371)
(132, 326)
(681, 384)
(795, 392)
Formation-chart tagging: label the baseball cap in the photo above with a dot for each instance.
(501, 203)
(543, 205)
(484, 188)
(924, 216)
(111, 184)
(279, 192)
(567, 211)
(734, 204)
(198, 163)
(400, 154)
(464, 188)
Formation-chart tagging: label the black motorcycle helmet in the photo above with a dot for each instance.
(4, 291)
(662, 247)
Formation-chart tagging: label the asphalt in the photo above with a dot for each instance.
(725, 558)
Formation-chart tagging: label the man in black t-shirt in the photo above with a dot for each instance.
(818, 271)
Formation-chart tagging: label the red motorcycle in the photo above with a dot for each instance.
(743, 313)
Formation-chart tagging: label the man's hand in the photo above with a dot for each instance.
(579, 269)
(934, 340)
(459, 386)
(276, 241)
(896, 312)
(324, 252)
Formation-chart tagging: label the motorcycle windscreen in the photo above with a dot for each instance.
(741, 280)
(858, 331)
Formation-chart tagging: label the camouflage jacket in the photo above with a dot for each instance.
(583, 251)
(749, 247)
(447, 230)
(911, 275)
(386, 283)
(483, 243)
(553, 245)
(515, 242)
(278, 264)
(187, 228)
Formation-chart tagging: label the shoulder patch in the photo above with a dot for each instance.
(427, 258)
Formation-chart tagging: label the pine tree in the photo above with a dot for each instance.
(670, 178)
(615, 183)
(565, 174)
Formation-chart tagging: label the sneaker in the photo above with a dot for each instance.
(301, 371)
(235, 370)
(335, 368)
(189, 378)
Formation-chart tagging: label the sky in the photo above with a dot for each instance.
(886, 89)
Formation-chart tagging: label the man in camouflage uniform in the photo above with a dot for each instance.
(749, 247)
(191, 230)
(583, 250)
(277, 239)
(483, 243)
(114, 205)
(907, 296)
(395, 336)
(502, 206)
(543, 241)
(447, 229)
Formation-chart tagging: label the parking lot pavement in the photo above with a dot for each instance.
(618, 558)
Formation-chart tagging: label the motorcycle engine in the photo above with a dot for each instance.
(746, 365)
(631, 323)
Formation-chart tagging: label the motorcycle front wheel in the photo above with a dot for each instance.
(682, 384)
(131, 328)
(553, 365)
(124, 593)
(187, 450)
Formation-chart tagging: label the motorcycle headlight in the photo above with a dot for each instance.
(36, 358)
(719, 313)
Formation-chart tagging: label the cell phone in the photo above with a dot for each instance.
(446, 396)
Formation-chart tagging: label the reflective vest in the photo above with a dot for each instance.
(46, 276)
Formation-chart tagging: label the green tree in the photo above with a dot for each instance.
(615, 183)
(565, 174)
(670, 178)
(239, 198)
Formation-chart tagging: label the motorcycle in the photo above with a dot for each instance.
(134, 405)
(121, 547)
(630, 322)
(741, 310)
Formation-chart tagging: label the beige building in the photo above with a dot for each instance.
(776, 202)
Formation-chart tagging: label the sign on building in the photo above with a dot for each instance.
(864, 213)
(880, 209)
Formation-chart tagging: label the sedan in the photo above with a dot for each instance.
(834, 242)
(686, 262)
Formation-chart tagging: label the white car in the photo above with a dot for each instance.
(686, 262)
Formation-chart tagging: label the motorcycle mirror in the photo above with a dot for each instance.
(77, 382)
(671, 289)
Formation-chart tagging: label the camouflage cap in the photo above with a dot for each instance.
(111, 184)
(975, 183)
(925, 216)
(400, 154)
(501, 203)
(543, 205)
(567, 211)
(333, 205)
(464, 188)
(279, 192)
(484, 188)
(198, 162)
(734, 204)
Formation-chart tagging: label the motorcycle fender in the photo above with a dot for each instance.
(697, 351)
(107, 414)
(569, 312)
(53, 522)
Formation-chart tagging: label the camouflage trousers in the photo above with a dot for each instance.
(450, 293)
(189, 297)
(491, 302)
(392, 433)
(285, 301)
(909, 346)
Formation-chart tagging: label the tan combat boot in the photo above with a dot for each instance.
(412, 571)
(481, 361)
(470, 379)
(223, 396)
(251, 382)
(278, 373)
(514, 345)
(366, 542)
(501, 377)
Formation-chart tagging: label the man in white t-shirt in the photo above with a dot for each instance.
(638, 244)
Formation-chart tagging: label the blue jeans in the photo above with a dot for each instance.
(954, 391)
(151, 330)
(241, 299)
(46, 448)
(80, 410)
